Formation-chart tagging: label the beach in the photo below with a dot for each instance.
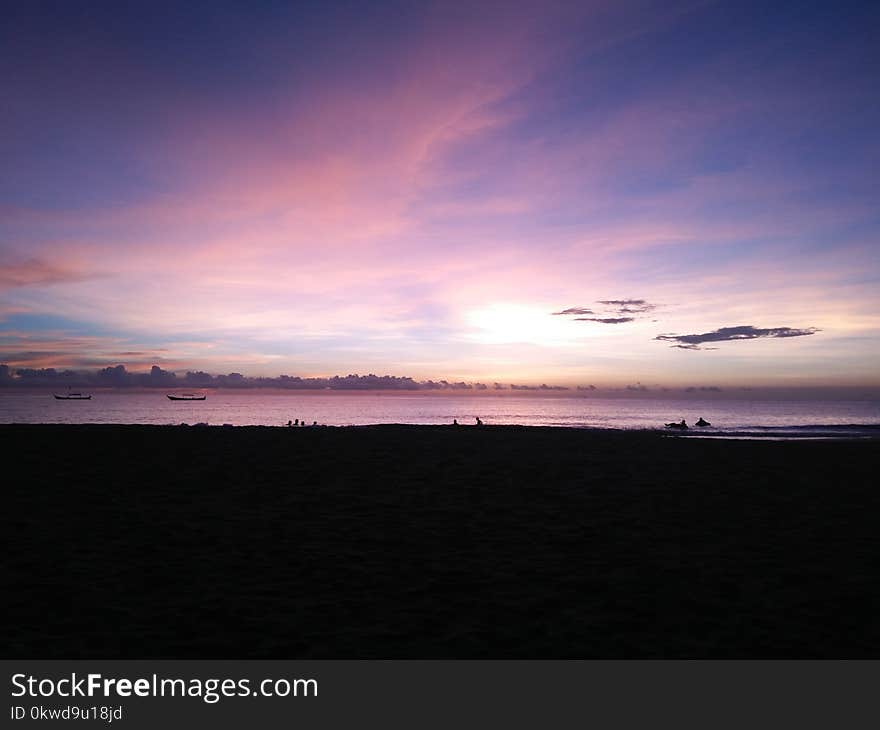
(436, 542)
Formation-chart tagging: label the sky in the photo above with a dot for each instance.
(587, 192)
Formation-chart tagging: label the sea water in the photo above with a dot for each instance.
(753, 418)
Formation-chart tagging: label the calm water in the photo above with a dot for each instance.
(755, 418)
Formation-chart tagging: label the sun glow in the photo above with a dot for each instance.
(499, 324)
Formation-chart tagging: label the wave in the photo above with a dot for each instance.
(814, 431)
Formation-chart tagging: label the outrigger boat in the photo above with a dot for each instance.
(72, 396)
(187, 396)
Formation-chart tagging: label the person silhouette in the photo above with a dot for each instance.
(479, 422)
(454, 421)
(289, 423)
(295, 423)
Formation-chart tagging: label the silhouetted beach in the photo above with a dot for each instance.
(429, 542)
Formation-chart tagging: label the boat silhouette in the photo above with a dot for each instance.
(187, 396)
(72, 396)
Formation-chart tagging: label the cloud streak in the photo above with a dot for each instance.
(733, 334)
(36, 272)
(605, 320)
(616, 311)
(629, 306)
(574, 310)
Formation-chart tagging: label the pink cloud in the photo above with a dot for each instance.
(37, 272)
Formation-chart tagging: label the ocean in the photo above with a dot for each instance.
(729, 418)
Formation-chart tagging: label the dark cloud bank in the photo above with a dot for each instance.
(119, 377)
(732, 334)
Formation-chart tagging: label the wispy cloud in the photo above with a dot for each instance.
(575, 310)
(37, 272)
(629, 306)
(614, 311)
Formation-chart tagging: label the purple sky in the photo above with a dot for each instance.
(591, 192)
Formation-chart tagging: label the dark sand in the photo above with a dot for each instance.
(426, 542)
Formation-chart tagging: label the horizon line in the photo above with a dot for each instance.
(119, 376)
